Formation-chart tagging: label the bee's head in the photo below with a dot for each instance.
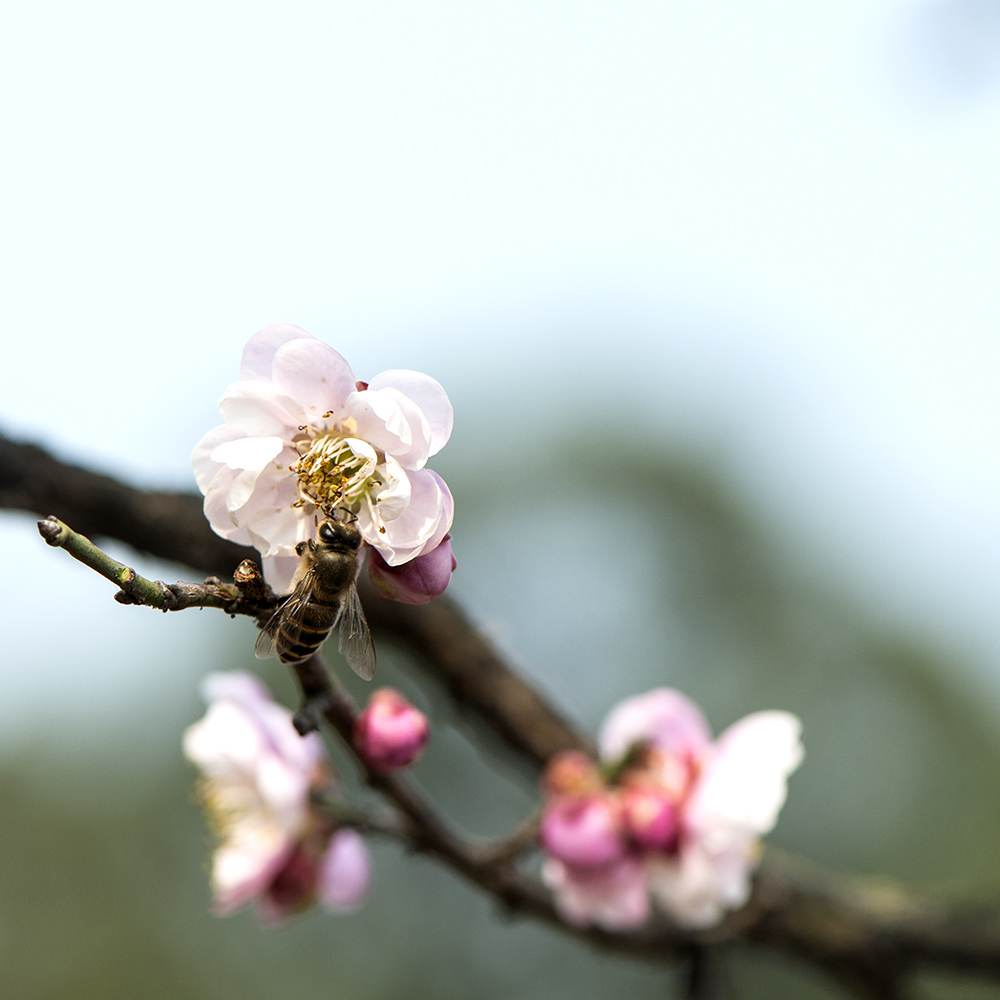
(340, 532)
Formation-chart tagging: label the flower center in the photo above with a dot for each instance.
(332, 474)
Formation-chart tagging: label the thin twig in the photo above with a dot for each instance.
(245, 597)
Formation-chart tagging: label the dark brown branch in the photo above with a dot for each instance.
(869, 935)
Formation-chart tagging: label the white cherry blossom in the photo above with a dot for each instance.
(302, 436)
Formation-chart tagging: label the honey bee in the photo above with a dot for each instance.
(323, 595)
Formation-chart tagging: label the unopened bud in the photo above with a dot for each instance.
(583, 832)
(571, 773)
(418, 581)
(390, 733)
(650, 817)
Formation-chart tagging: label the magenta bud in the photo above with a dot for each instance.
(415, 582)
(291, 890)
(650, 817)
(390, 733)
(583, 831)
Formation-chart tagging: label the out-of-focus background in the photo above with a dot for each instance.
(713, 288)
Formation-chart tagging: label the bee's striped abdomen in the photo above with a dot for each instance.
(297, 639)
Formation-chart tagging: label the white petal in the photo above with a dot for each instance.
(394, 495)
(240, 492)
(279, 570)
(664, 717)
(697, 889)
(258, 354)
(217, 506)
(224, 741)
(204, 467)
(248, 452)
(261, 409)
(420, 528)
(234, 685)
(392, 423)
(315, 375)
(243, 868)
(429, 396)
(268, 512)
(614, 897)
(743, 785)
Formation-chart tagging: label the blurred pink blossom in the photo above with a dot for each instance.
(274, 847)
(690, 813)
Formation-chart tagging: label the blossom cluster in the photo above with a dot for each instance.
(302, 437)
(669, 817)
(261, 783)
(258, 775)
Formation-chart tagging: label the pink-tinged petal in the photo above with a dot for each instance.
(429, 396)
(415, 582)
(268, 511)
(248, 452)
(743, 784)
(396, 492)
(279, 571)
(392, 423)
(315, 375)
(261, 409)
(420, 528)
(614, 897)
(345, 872)
(240, 492)
(243, 869)
(205, 469)
(663, 717)
(272, 720)
(258, 355)
(217, 507)
(584, 832)
(697, 889)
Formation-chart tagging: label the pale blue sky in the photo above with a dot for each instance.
(775, 224)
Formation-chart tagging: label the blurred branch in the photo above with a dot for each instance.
(870, 935)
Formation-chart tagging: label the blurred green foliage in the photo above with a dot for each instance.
(669, 580)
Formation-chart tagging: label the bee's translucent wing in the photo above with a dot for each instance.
(355, 641)
(264, 648)
(288, 611)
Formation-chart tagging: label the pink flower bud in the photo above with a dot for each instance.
(390, 732)
(585, 832)
(571, 773)
(415, 582)
(650, 817)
